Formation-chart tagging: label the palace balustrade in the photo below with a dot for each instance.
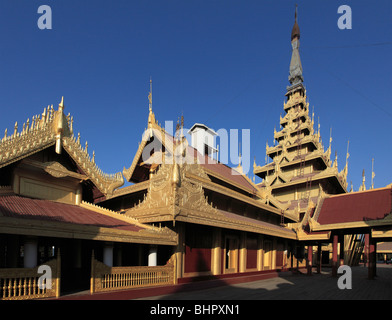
(105, 278)
(24, 283)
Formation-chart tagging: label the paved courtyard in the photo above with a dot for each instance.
(298, 287)
(287, 286)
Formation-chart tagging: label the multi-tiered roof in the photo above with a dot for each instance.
(301, 169)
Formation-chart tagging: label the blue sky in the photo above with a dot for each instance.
(220, 62)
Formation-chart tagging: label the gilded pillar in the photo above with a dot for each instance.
(242, 266)
(180, 249)
(260, 253)
(216, 266)
(274, 247)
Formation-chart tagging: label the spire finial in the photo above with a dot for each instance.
(295, 76)
(373, 174)
(182, 126)
(363, 186)
(295, 32)
(151, 116)
(61, 104)
(150, 96)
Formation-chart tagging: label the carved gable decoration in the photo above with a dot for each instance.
(172, 193)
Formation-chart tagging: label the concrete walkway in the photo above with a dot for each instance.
(298, 287)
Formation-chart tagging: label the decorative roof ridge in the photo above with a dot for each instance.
(152, 128)
(169, 142)
(125, 218)
(357, 192)
(38, 123)
(104, 181)
(49, 128)
(36, 136)
(319, 205)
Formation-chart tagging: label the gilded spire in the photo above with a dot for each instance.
(151, 116)
(150, 96)
(295, 76)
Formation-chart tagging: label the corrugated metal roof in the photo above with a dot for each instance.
(354, 207)
(258, 223)
(15, 206)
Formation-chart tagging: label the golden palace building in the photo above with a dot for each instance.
(185, 215)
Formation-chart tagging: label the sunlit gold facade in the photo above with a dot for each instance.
(184, 215)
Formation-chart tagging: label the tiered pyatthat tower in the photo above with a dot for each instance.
(301, 170)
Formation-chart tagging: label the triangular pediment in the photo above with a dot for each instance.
(154, 147)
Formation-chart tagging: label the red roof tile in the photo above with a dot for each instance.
(358, 206)
(217, 167)
(256, 222)
(223, 170)
(14, 206)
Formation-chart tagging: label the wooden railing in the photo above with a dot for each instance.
(104, 278)
(23, 283)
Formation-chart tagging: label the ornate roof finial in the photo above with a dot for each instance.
(346, 166)
(347, 154)
(16, 128)
(178, 127)
(151, 116)
(150, 97)
(182, 127)
(373, 174)
(295, 32)
(363, 186)
(335, 163)
(61, 104)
